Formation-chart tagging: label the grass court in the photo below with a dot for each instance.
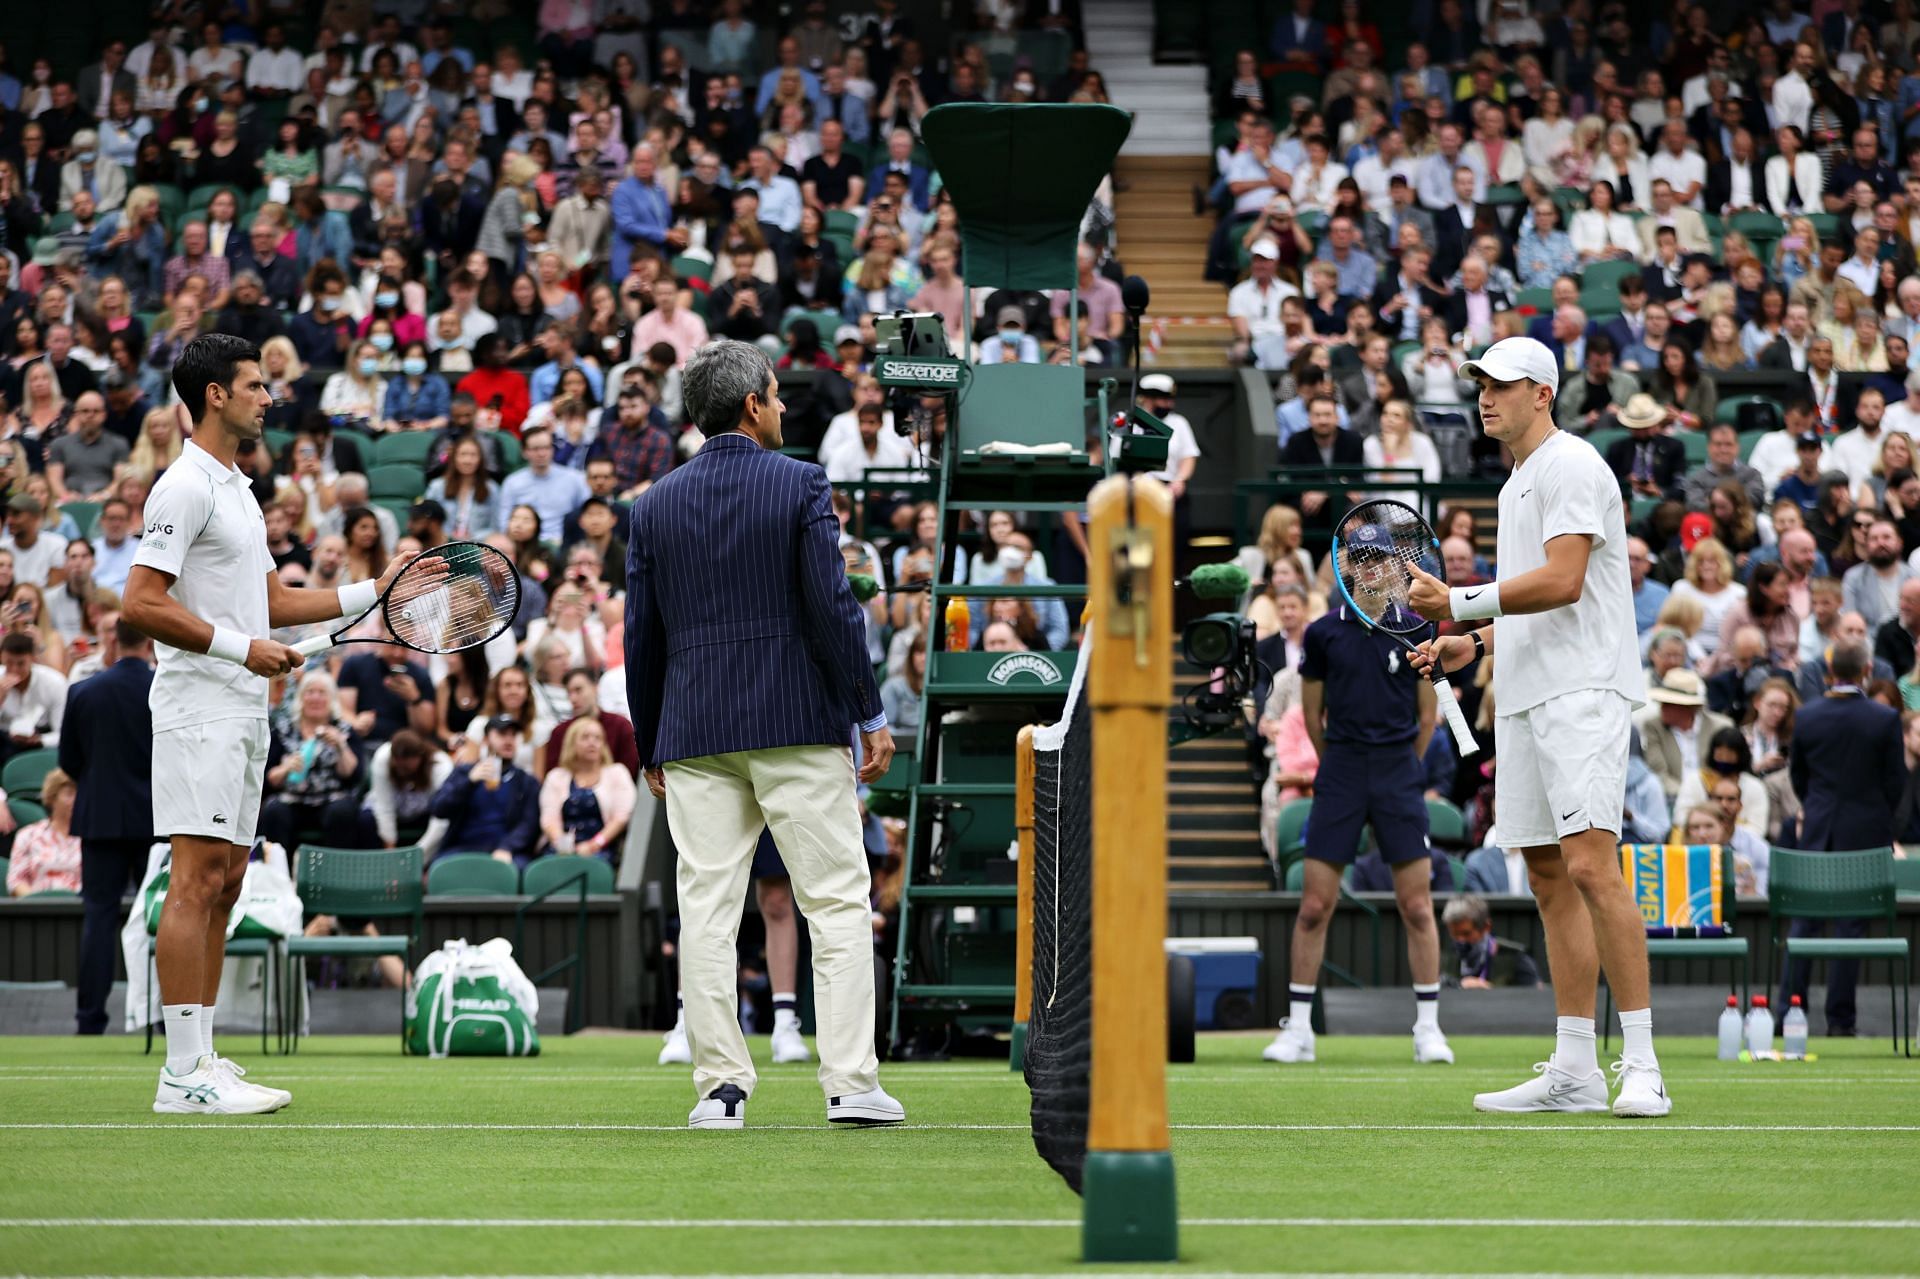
(578, 1162)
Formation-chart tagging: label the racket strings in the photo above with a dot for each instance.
(462, 605)
(1380, 544)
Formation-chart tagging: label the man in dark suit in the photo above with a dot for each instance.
(1324, 443)
(99, 81)
(1475, 301)
(106, 746)
(1849, 769)
(899, 159)
(1720, 176)
(744, 702)
(1456, 225)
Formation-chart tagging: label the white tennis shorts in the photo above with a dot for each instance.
(1561, 768)
(207, 779)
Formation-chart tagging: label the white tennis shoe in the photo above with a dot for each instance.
(1430, 1045)
(676, 1051)
(1551, 1091)
(1643, 1092)
(1292, 1045)
(789, 1047)
(724, 1107)
(867, 1109)
(208, 1089)
(239, 1073)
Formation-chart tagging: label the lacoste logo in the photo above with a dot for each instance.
(219, 819)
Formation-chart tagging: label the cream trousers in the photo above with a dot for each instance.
(716, 806)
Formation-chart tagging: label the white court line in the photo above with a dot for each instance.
(1760, 1077)
(1132, 1272)
(1503, 1128)
(927, 1223)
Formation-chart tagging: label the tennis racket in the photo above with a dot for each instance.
(1373, 546)
(449, 599)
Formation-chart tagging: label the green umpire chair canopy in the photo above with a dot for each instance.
(1021, 177)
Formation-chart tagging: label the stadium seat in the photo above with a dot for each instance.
(403, 448)
(1640, 508)
(472, 874)
(1604, 439)
(1756, 222)
(1539, 299)
(510, 456)
(25, 771)
(358, 883)
(401, 508)
(6, 864)
(1695, 443)
(841, 221)
(1841, 885)
(1296, 876)
(545, 873)
(84, 514)
(1290, 831)
(277, 440)
(687, 266)
(1727, 411)
(396, 481)
(1446, 824)
(25, 812)
(201, 196)
(1606, 276)
(1906, 876)
(1457, 867)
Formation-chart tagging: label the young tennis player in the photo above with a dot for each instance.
(1565, 683)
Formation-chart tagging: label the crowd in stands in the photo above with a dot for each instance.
(476, 243)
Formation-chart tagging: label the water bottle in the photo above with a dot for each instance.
(1730, 1030)
(1759, 1028)
(1795, 1031)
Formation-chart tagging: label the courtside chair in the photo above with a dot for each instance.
(1906, 876)
(473, 875)
(378, 883)
(1733, 949)
(1843, 885)
(273, 986)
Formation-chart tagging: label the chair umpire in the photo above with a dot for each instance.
(747, 674)
(106, 746)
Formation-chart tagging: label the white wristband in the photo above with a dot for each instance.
(229, 646)
(1474, 603)
(358, 597)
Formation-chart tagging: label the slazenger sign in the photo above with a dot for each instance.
(1007, 668)
(924, 374)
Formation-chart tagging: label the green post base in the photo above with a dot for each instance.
(1128, 1207)
(1017, 1051)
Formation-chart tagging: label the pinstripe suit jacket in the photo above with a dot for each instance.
(742, 633)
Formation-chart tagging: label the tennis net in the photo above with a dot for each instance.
(1060, 1022)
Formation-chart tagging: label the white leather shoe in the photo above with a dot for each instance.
(867, 1109)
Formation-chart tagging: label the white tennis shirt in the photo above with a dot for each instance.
(1565, 487)
(205, 528)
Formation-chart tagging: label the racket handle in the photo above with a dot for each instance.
(1450, 707)
(313, 645)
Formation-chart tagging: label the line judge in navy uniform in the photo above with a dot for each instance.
(1849, 769)
(106, 746)
(747, 674)
(1370, 716)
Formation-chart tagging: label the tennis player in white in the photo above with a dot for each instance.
(203, 585)
(1565, 683)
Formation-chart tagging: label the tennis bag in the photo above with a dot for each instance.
(472, 1001)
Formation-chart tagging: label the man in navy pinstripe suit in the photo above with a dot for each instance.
(747, 673)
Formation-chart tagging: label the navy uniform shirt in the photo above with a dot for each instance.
(1372, 689)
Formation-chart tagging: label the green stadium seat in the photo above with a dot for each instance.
(277, 440)
(686, 266)
(1290, 829)
(1756, 222)
(1695, 443)
(1728, 410)
(1605, 277)
(1446, 824)
(1906, 876)
(6, 864)
(84, 514)
(824, 322)
(173, 201)
(201, 196)
(403, 448)
(25, 771)
(358, 883)
(510, 455)
(24, 812)
(841, 220)
(1842, 885)
(1539, 299)
(1640, 508)
(1296, 876)
(1605, 438)
(1457, 866)
(472, 874)
(398, 507)
(545, 873)
(396, 481)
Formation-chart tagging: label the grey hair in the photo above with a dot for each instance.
(1467, 907)
(717, 381)
(351, 481)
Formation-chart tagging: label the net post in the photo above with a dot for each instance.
(1128, 1186)
(1023, 776)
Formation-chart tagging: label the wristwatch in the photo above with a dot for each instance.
(1479, 645)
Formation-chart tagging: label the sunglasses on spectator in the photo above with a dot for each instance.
(1866, 523)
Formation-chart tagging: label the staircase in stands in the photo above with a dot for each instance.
(1213, 811)
(1156, 234)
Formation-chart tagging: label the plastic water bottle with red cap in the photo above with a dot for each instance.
(1759, 1029)
(1731, 1030)
(1794, 1032)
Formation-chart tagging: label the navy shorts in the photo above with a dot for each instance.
(766, 858)
(1357, 786)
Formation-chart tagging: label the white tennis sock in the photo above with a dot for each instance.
(206, 1031)
(784, 1010)
(1636, 1028)
(184, 1042)
(1300, 1009)
(1426, 1004)
(1573, 1049)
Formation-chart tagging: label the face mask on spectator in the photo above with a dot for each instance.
(200, 106)
(1012, 559)
(1473, 954)
(84, 157)
(1725, 767)
(386, 299)
(382, 341)
(369, 366)
(1011, 334)
(413, 366)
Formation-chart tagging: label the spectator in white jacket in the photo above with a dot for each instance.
(406, 772)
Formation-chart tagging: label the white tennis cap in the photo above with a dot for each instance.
(1517, 359)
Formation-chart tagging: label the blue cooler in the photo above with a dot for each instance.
(1226, 971)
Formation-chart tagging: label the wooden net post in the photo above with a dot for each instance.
(1023, 776)
(1128, 1187)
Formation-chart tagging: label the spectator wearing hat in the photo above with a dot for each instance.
(1010, 343)
(1848, 766)
(1675, 729)
(107, 183)
(1157, 392)
(490, 804)
(1253, 306)
(1803, 484)
(1648, 463)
